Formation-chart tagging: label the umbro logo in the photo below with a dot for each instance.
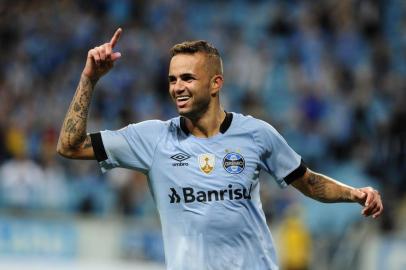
(180, 157)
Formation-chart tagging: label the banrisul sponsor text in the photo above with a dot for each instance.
(190, 195)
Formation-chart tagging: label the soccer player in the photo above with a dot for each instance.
(202, 166)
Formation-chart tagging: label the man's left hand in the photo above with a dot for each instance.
(370, 199)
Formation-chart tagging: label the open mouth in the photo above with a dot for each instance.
(182, 100)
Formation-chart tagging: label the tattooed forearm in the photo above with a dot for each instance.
(76, 107)
(73, 132)
(84, 100)
(325, 189)
(70, 126)
(318, 186)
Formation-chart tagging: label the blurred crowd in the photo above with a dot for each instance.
(329, 75)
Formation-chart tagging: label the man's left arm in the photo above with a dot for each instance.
(325, 189)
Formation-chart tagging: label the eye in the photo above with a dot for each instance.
(172, 79)
(187, 78)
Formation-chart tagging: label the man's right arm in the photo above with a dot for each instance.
(73, 141)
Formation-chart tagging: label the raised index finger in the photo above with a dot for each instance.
(115, 37)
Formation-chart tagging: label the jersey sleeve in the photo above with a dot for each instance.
(276, 156)
(131, 147)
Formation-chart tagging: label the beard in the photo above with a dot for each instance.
(198, 108)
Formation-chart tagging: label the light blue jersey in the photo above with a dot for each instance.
(207, 189)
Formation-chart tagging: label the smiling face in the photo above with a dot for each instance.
(193, 84)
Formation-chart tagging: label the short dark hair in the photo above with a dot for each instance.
(200, 46)
(191, 47)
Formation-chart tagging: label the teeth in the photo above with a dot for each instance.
(182, 98)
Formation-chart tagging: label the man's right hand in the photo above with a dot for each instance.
(101, 59)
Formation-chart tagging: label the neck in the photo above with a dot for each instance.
(208, 124)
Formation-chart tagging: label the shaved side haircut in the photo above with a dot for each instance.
(215, 64)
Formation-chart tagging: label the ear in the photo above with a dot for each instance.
(216, 83)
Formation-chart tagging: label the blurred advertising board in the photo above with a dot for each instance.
(21, 237)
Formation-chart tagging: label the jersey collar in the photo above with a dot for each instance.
(223, 127)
